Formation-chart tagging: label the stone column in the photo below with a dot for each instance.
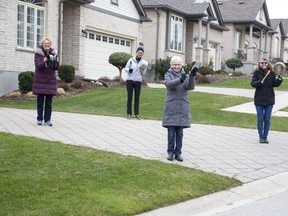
(206, 50)
(250, 48)
(199, 49)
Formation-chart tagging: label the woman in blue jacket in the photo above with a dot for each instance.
(264, 80)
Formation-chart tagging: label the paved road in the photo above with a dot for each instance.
(275, 205)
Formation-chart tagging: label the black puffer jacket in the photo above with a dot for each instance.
(264, 93)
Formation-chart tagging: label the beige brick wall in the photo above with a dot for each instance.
(15, 60)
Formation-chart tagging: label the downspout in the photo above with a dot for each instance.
(60, 29)
(157, 39)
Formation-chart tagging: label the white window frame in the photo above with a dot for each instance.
(30, 31)
(176, 33)
(237, 41)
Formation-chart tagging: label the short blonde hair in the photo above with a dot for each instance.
(176, 58)
(46, 38)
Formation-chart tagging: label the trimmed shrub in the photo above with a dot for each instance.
(25, 81)
(221, 72)
(66, 73)
(205, 70)
(119, 60)
(234, 63)
(161, 67)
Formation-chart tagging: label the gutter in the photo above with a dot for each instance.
(60, 29)
(157, 39)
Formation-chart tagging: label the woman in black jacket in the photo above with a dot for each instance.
(264, 80)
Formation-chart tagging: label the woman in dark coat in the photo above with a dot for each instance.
(45, 82)
(264, 80)
(176, 115)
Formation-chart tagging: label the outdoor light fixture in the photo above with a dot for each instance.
(84, 33)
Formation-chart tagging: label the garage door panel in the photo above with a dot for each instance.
(97, 54)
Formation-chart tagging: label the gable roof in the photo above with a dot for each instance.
(190, 9)
(244, 12)
(140, 9)
(285, 27)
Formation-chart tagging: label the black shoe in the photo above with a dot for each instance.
(179, 158)
(170, 157)
(266, 141)
(261, 141)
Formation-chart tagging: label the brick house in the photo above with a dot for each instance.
(84, 32)
(279, 47)
(251, 32)
(188, 28)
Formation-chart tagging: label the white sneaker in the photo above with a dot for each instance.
(48, 123)
(39, 122)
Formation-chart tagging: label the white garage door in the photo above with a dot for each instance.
(98, 48)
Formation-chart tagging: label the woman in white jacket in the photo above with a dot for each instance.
(135, 68)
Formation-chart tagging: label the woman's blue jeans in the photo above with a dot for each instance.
(263, 120)
(44, 106)
(175, 136)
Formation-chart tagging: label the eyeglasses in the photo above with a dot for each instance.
(263, 62)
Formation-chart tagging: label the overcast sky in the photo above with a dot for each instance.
(277, 8)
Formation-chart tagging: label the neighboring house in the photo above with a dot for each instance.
(192, 29)
(250, 30)
(277, 38)
(85, 33)
(285, 40)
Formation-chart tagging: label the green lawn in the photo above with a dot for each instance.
(245, 84)
(40, 177)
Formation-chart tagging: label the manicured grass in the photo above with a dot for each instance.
(245, 84)
(205, 108)
(40, 177)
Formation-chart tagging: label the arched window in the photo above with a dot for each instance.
(176, 33)
(30, 23)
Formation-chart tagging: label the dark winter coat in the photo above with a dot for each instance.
(44, 81)
(264, 93)
(177, 106)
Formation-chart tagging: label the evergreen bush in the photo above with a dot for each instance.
(66, 73)
(234, 63)
(205, 70)
(161, 67)
(25, 81)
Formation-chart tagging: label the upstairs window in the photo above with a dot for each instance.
(30, 23)
(176, 33)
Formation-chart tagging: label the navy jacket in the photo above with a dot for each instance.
(264, 93)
